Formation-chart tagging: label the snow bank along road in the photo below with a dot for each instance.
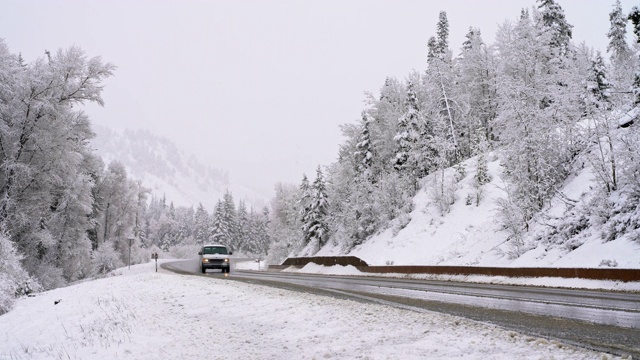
(140, 314)
(600, 320)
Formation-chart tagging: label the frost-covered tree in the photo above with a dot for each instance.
(622, 61)
(537, 107)
(634, 16)
(408, 133)
(219, 228)
(305, 207)
(45, 177)
(231, 222)
(442, 34)
(202, 225)
(243, 227)
(555, 23)
(284, 223)
(14, 280)
(317, 229)
(476, 91)
(617, 34)
(364, 150)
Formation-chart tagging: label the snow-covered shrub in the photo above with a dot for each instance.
(608, 263)
(14, 280)
(49, 276)
(512, 220)
(400, 223)
(443, 190)
(625, 218)
(106, 259)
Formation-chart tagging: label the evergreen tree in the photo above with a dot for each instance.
(230, 221)
(364, 152)
(617, 34)
(243, 228)
(219, 229)
(598, 83)
(442, 33)
(408, 131)
(554, 21)
(202, 227)
(316, 225)
(634, 16)
(305, 208)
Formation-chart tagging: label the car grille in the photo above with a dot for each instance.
(216, 261)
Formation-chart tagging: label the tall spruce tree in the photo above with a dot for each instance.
(305, 207)
(554, 21)
(316, 224)
(618, 47)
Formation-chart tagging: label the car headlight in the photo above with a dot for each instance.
(226, 260)
(205, 260)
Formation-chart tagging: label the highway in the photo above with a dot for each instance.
(600, 320)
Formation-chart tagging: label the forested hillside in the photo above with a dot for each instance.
(545, 107)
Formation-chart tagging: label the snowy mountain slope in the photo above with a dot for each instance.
(167, 170)
(472, 235)
(149, 315)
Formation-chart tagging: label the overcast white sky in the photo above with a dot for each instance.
(258, 88)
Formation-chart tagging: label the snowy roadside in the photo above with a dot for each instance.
(141, 314)
(634, 286)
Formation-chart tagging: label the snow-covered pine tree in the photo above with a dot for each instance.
(243, 228)
(230, 234)
(634, 16)
(305, 208)
(263, 240)
(442, 33)
(202, 225)
(218, 225)
(622, 61)
(409, 129)
(384, 113)
(618, 47)
(364, 153)
(317, 227)
(554, 21)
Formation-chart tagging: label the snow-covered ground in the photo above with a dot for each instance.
(140, 314)
(470, 234)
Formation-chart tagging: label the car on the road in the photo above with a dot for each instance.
(215, 256)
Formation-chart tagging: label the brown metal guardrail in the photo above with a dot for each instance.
(615, 274)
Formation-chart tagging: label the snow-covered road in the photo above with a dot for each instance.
(146, 315)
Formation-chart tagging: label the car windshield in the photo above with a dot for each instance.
(215, 250)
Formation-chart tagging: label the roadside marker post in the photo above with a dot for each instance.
(155, 256)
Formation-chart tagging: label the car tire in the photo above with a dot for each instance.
(203, 270)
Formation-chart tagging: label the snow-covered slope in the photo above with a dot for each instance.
(472, 235)
(167, 170)
(141, 314)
